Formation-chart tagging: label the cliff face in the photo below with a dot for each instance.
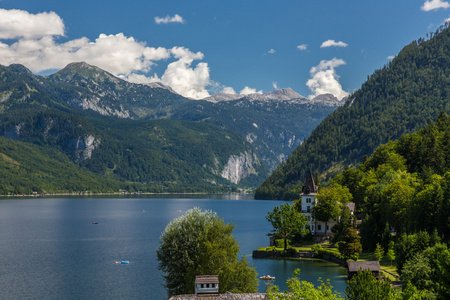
(67, 133)
(240, 167)
(83, 146)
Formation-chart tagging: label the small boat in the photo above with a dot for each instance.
(94, 222)
(124, 262)
(267, 277)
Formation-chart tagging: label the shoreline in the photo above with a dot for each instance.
(36, 195)
(309, 255)
(299, 255)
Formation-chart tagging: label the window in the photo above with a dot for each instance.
(308, 209)
(319, 227)
(213, 284)
(202, 285)
(328, 227)
(207, 285)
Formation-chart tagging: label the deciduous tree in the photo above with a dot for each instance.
(201, 243)
(391, 253)
(365, 286)
(379, 252)
(286, 221)
(350, 247)
(330, 201)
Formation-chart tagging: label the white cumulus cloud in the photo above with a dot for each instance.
(333, 43)
(271, 51)
(434, 5)
(34, 45)
(302, 47)
(187, 81)
(117, 54)
(228, 90)
(19, 23)
(184, 79)
(248, 90)
(168, 19)
(324, 79)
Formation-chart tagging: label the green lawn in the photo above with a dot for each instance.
(278, 249)
(384, 263)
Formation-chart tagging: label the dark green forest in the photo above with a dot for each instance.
(402, 193)
(404, 184)
(400, 98)
(103, 154)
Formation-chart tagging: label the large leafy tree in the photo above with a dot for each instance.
(343, 223)
(286, 221)
(350, 247)
(201, 243)
(429, 270)
(365, 286)
(330, 201)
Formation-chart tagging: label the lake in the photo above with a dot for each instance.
(50, 248)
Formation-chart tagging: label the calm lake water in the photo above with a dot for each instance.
(49, 248)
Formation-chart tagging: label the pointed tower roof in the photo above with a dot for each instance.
(309, 187)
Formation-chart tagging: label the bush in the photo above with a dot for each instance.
(322, 251)
(280, 243)
(290, 252)
(316, 248)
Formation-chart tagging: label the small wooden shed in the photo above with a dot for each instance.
(355, 266)
(206, 284)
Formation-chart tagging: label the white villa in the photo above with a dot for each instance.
(308, 198)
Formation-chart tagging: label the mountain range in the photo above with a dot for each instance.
(275, 123)
(149, 135)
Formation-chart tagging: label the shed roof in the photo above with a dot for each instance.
(373, 265)
(207, 279)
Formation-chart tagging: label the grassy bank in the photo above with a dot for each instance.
(331, 249)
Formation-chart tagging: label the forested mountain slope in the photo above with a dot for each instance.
(401, 97)
(404, 184)
(26, 168)
(274, 123)
(110, 153)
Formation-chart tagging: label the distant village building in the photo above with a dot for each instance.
(308, 200)
(206, 284)
(355, 266)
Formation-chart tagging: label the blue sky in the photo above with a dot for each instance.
(203, 47)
